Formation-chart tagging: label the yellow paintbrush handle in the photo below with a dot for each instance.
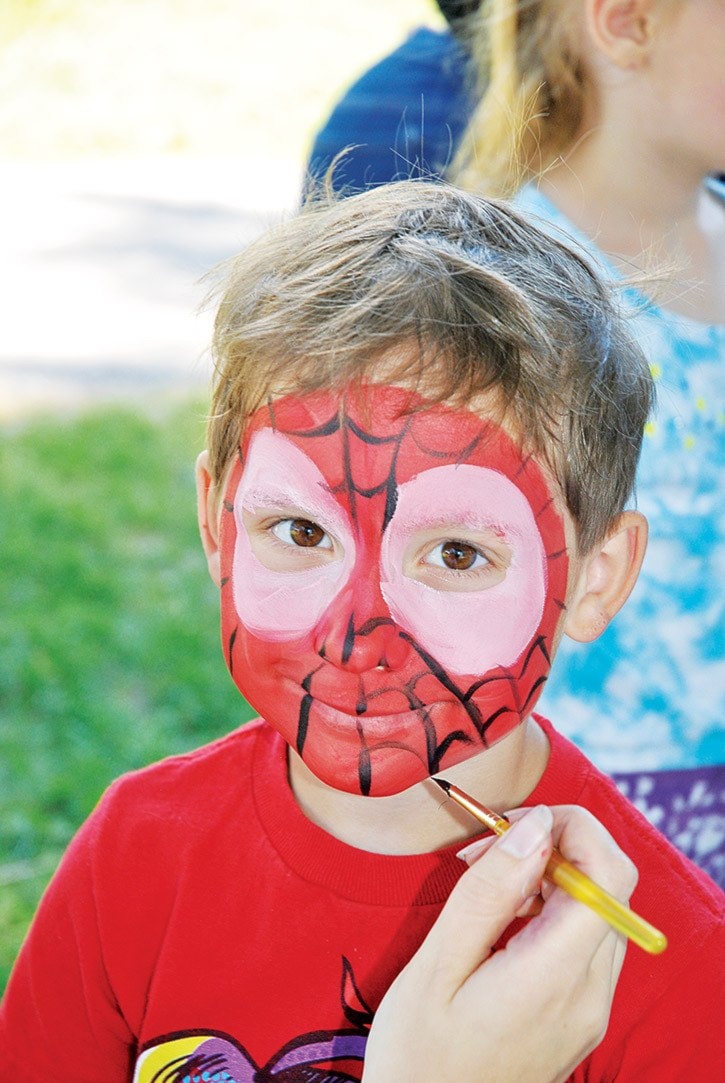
(579, 886)
(570, 879)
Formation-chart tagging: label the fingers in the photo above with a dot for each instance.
(532, 903)
(503, 882)
(586, 843)
(531, 906)
(581, 839)
(487, 898)
(567, 923)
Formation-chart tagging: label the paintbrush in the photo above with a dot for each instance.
(571, 879)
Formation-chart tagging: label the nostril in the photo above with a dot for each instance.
(374, 644)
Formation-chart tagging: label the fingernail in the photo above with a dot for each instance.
(528, 833)
(473, 850)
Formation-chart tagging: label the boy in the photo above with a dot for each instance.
(425, 428)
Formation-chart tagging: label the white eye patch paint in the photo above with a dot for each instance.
(468, 632)
(277, 605)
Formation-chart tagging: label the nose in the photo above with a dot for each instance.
(358, 634)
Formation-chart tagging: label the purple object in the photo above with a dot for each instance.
(688, 807)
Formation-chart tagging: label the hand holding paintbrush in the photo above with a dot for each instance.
(571, 879)
(529, 1013)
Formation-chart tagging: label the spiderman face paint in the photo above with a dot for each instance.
(391, 583)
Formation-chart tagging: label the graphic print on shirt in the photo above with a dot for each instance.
(316, 1057)
(377, 674)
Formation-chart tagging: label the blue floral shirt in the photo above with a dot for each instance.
(650, 693)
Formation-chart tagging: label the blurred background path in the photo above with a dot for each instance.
(100, 270)
(140, 142)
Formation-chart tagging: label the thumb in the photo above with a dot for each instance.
(485, 900)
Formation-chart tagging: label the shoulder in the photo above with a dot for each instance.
(664, 1017)
(666, 874)
(182, 795)
(422, 49)
(181, 819)
(530, 200)
(659, 329)
(379, 124)
(672, 892)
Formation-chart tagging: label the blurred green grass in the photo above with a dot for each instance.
(109, 654)
(109, 645)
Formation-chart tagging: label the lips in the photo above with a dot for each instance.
(415, 725)
(375, 694)
(377, 727)
(371, 752)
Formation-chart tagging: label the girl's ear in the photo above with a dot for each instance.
(622, 30)
(208, 513)
(606, 578)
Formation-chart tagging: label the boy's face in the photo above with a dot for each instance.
(391, 585)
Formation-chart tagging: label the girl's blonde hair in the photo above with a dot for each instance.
(531, 85)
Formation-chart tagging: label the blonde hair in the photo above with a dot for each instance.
(486, 300)
(531, 84)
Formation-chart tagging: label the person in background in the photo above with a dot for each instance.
(405, 116)
(593, 116)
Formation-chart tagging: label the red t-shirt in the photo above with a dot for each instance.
(199, 923)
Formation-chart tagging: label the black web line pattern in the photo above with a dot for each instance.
(435, 750)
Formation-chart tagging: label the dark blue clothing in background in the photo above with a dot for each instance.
(403, 117)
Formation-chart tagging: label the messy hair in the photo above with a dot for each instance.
(531, 84)
(456, 296)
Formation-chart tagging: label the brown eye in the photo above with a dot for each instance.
(458, 556)
(302, 533)
(305, 533)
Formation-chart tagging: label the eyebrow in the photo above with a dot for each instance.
(471, 519)
(275, 495)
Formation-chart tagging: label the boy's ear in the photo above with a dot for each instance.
(606, 578)
(622, 30)
(208, 513)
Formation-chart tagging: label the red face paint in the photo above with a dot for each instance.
(391, 583)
